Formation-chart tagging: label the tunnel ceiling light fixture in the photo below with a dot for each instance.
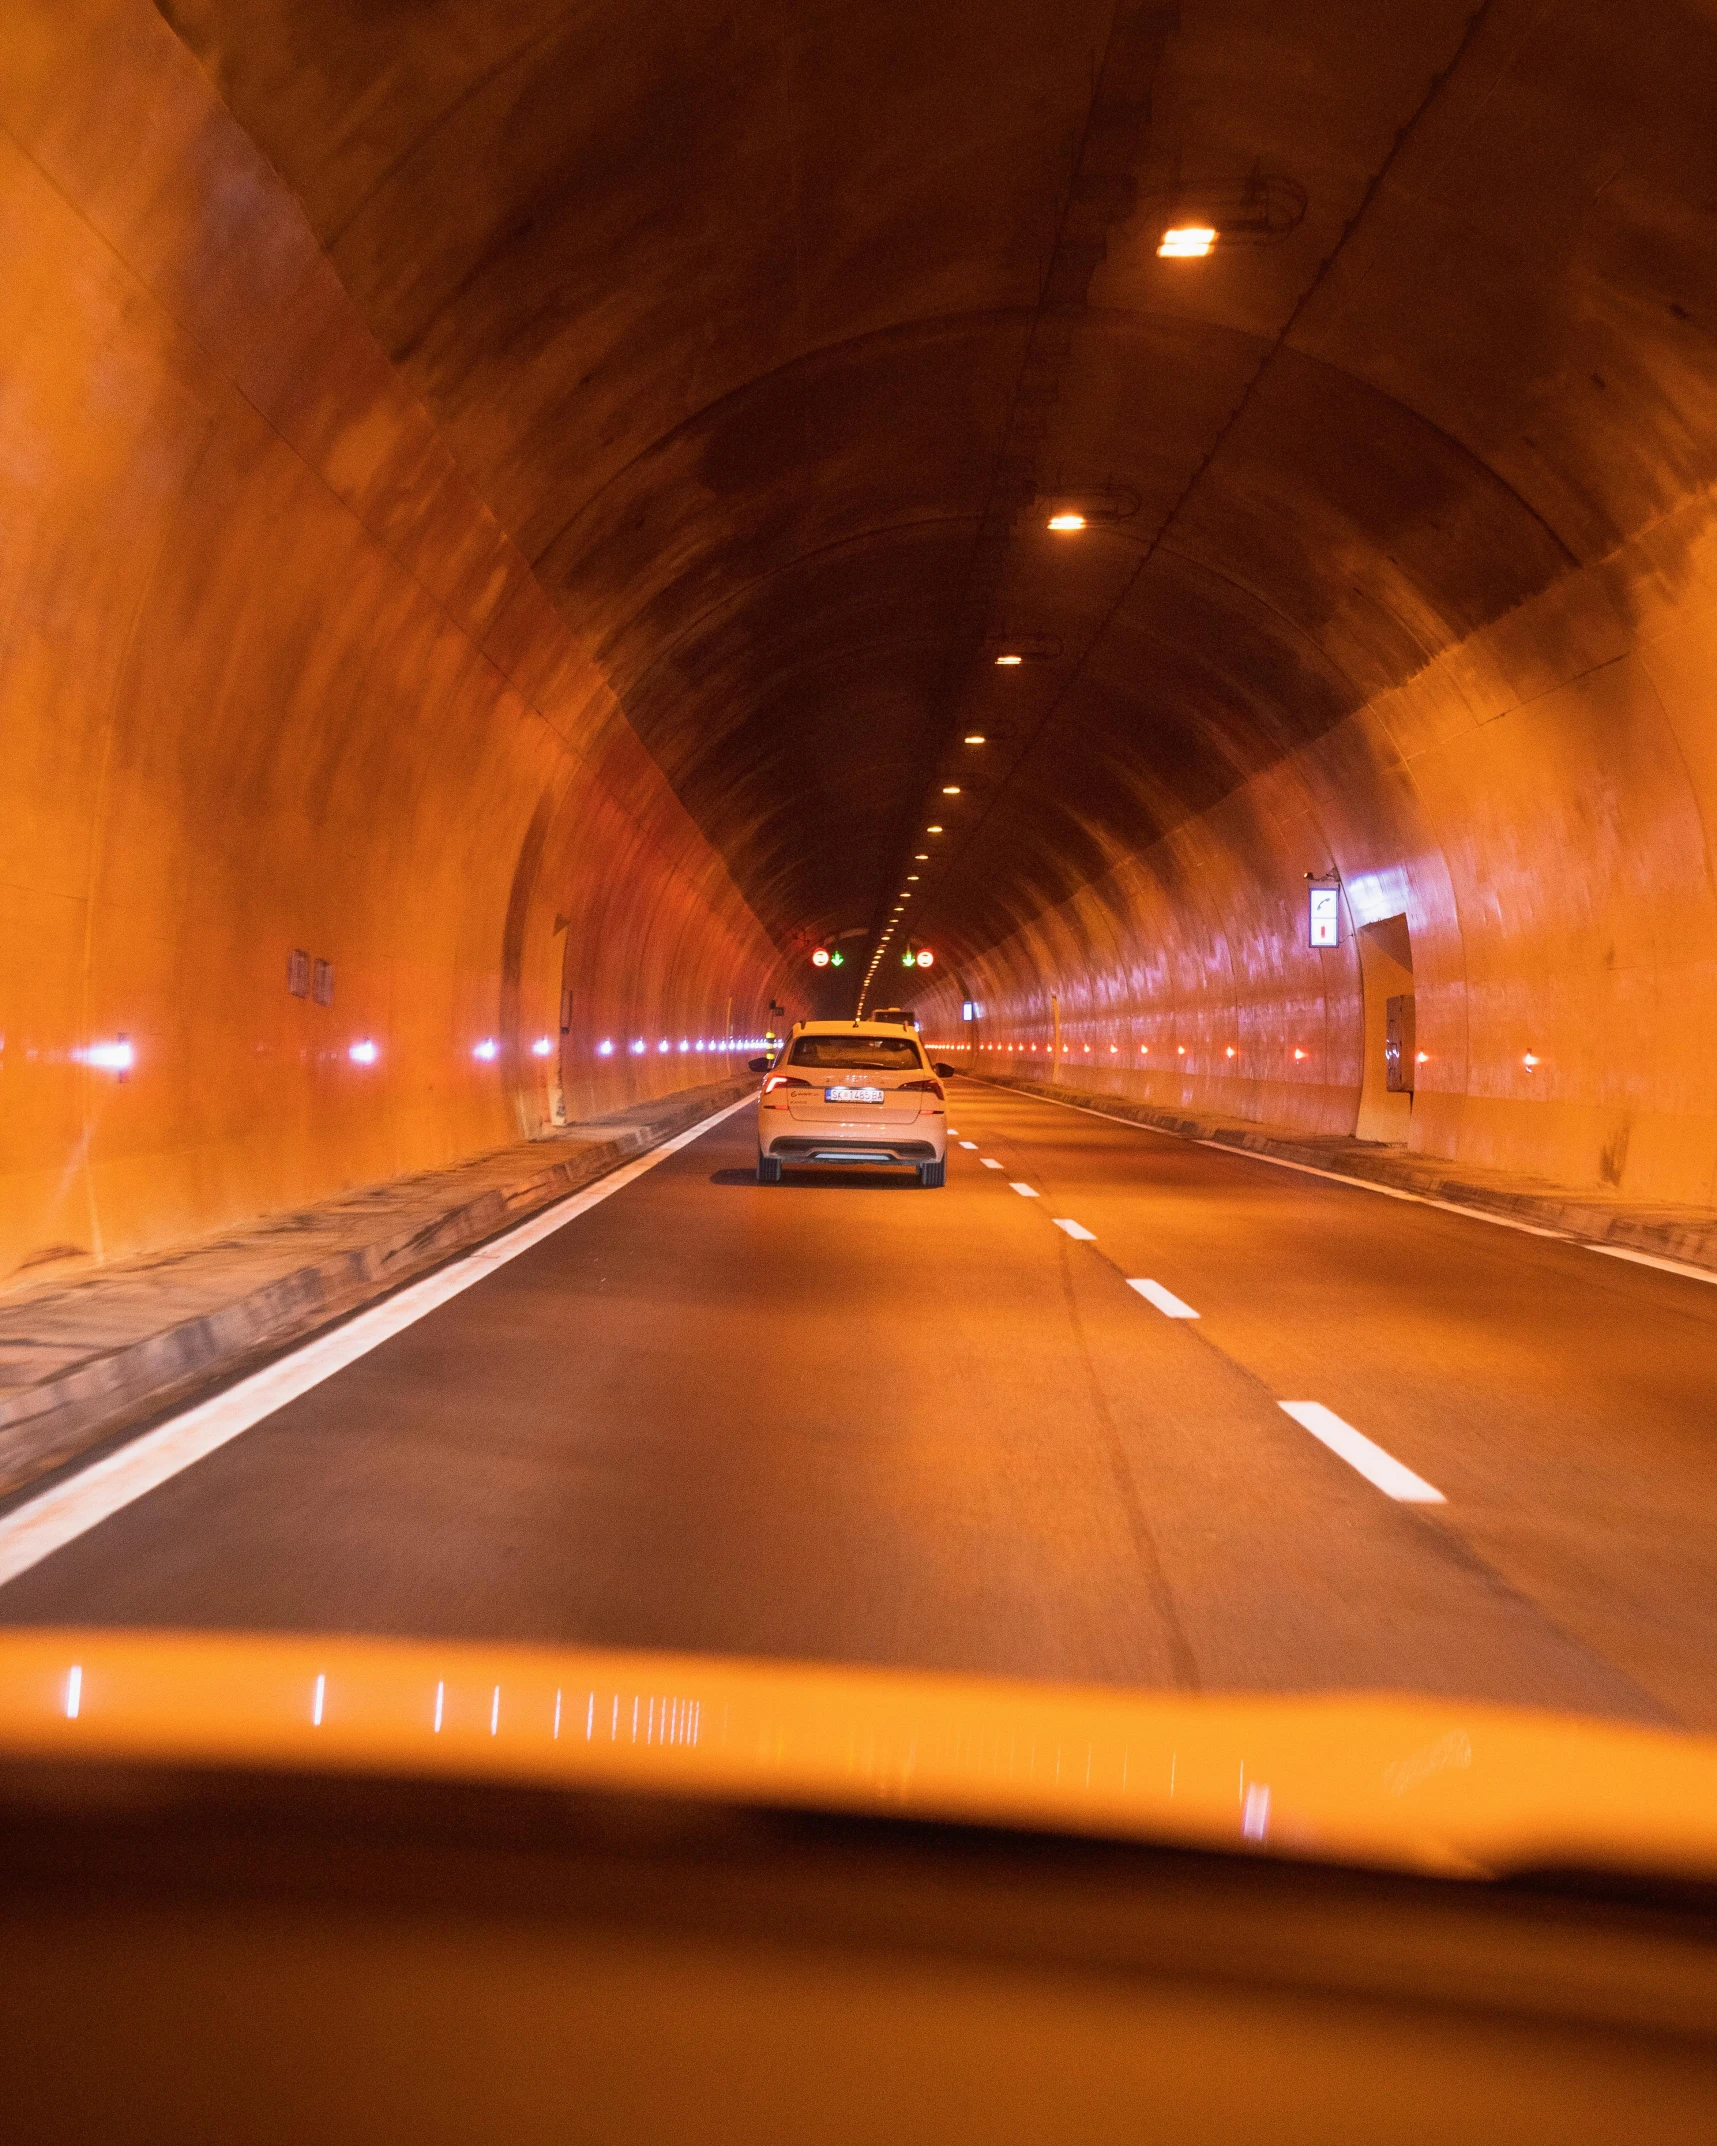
(932, 830)
(1066, 524)
(950, 789)
(1186, 242)
(1008, 663)
(975, 737)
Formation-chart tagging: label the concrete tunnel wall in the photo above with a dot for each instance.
(1538, 803)
(1439, 613)
(273, 678)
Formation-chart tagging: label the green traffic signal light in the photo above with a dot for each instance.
(837, 961)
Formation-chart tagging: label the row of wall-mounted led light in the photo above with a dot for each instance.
(1529, 1059)
(119, 1054)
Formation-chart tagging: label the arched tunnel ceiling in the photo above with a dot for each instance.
(771, 330)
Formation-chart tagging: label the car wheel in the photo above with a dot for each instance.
(768, 1170)
(932, 1173)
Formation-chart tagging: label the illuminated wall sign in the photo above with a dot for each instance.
(968, 1011)
(820, 959)
(1323, 915)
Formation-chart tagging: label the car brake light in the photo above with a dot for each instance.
(921, 1087)
(785, 1080)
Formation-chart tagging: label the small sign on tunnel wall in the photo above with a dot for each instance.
(1323, 914)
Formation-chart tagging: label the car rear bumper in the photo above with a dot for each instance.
(886, 1151)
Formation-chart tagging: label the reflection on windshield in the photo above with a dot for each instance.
(882, 1054)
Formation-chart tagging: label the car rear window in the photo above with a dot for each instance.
(859, 1054)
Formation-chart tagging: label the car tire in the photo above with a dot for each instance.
(931, 1174)
(768, 1170)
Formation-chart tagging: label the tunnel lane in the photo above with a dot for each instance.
(847, 1419)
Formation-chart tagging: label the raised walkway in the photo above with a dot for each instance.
(1681, 1235)
(86, 1363)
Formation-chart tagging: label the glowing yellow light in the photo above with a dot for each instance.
(1187, 242)
(932, 830)
(923, 857)
(1006, 663)
(1067, 521)
(976, 737)
(1231, 1050)
(1530, 1060)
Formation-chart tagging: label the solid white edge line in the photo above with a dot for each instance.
(1336, 1177)
(1382, 1469)
(1165, 1300)
(61, 1514)
(1025, 1191)
(1076, 1229)
(1652, 1259)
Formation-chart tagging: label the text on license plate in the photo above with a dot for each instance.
(852, 1095)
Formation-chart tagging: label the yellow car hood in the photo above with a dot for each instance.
(1422, 1784)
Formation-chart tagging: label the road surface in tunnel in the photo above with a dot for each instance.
(849, 1419)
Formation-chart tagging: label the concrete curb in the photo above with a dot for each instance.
(62, 1417)
(1688, 1235)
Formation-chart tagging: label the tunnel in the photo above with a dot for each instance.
(555, 557)
(524, 510)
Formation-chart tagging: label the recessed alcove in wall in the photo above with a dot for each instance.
(1386, 974)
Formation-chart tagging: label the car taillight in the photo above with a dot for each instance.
(785, 1080)
(921, 1087)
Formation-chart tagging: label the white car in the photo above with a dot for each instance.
(852, 1092)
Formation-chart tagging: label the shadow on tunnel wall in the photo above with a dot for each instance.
(316, 820)
(1530, 814)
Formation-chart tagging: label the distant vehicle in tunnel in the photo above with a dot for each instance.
(852, 1092)
(895, 1017)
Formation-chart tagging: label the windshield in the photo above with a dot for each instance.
(759, 513)
(874, 1054)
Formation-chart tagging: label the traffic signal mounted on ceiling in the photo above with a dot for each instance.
(921, 958)
(823, 959)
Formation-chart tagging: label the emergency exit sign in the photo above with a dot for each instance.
(1323, 916)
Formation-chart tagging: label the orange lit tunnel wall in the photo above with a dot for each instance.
(1537, 805)
(271, 678)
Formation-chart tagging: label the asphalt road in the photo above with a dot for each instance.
(849, 1419)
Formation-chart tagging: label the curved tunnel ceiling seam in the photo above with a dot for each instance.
(707, 413)
(818, 554)
(428, 132)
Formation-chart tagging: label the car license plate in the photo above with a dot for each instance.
(852, 1095)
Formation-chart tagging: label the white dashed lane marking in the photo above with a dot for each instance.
(1383, 1469)
(1076, 1229)
(969, 1144)
(989, 1162)
(1025, 1191)
(1165, 1300)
